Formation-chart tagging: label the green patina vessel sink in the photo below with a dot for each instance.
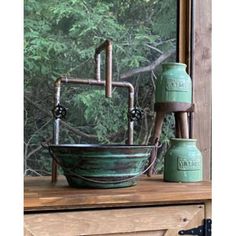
(101, 166)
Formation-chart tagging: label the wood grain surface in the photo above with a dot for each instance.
(194, 49)
(40, 194)
(166, 220)
(201, 75)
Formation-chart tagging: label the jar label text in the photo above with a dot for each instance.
(176, 85)
(186, 164)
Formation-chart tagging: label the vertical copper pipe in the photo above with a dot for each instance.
(108, 69)
(54, 171)
(57, 89)
(107, 46)
(98, 67)
(130, 107)
(56, 127)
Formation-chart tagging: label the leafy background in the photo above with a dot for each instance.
(60, 38)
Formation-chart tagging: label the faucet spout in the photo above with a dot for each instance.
(107, 46)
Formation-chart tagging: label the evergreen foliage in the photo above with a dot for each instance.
(60, 39)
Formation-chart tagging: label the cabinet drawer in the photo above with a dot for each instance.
(161, 220)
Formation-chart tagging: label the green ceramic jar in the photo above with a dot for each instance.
(183, 161)
(174, 84)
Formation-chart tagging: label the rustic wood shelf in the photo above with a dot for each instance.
(41, 194)
(152, 207)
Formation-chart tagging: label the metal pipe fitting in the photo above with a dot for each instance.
(107, 46)
(98, 67)
(71, 80)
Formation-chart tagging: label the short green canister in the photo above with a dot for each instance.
(183, 161)
(174, 84)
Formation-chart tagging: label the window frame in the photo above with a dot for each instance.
(194, 24)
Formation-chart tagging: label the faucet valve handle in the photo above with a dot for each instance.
(59, 112)
(135, 114)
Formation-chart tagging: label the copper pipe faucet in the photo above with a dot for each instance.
(107, 46)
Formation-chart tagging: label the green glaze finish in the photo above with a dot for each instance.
(183, 161)
(104, 163)
(174, 84)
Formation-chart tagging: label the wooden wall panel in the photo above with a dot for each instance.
(201, 75)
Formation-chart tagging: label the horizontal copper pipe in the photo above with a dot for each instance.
(71, 80)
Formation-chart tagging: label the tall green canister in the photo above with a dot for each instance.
(183, 161)
(174, 84)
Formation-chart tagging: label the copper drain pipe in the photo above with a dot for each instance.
(107, 83)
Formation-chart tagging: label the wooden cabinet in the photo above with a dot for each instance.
(153, 207)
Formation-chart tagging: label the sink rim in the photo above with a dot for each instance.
(112, 146)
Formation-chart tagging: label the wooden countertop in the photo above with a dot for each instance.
(41, 195)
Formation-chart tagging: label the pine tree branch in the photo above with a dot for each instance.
(148, 68)
(37, 149)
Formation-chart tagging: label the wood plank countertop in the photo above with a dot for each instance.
(41, 195)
